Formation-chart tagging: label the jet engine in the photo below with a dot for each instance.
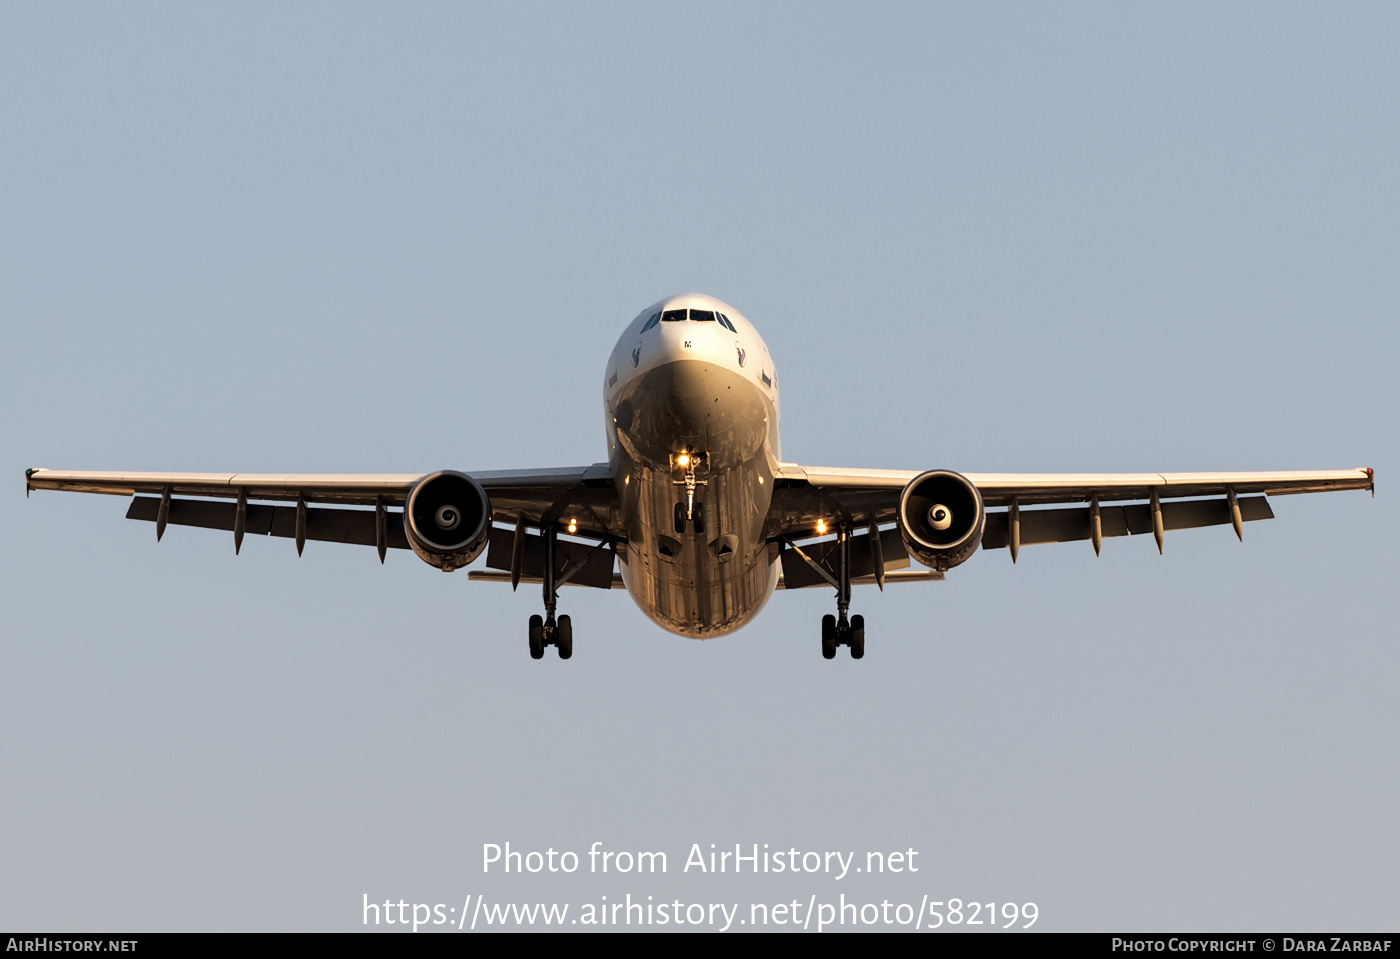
(447, 519)
(941, 518)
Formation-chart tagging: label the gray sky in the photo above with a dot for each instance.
(976, 237)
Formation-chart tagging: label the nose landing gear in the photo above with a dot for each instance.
(695, 514)
(690, 511)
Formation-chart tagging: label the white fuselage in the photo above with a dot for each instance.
(696, 400)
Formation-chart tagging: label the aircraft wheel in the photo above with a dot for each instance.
(680, 517)
(857, 637)
(536, 637)
(699, 514)
(828, 636)
(564, 637)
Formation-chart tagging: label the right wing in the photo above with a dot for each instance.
(807, 495)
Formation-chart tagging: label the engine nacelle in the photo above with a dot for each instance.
(941, 518)
(447, 519)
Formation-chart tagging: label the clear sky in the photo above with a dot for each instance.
(1021, 237)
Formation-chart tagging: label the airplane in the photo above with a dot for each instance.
(695, 513)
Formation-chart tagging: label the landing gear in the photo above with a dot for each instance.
(828, 636)
(696, 516)
(838, 630)
(537, 637)
(549, 632)
(546, 630)
(564, 637)
(690, 511)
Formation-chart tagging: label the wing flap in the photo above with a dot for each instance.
(326, 524)
(997, 489)
(799, 574)
(594, 562)
(893, 576)
(1068, 525)
(496, 576)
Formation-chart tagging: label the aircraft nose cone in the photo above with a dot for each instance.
(691, 403)
(689, 340)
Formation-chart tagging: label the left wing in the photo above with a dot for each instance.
(583, 493)
(806, 495)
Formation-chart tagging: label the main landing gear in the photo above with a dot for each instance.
(551, 632)
(838, 630)
(842, 633)
(546, 630)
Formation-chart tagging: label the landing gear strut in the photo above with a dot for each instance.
(547, 630)
(839, 630)
(690, 511)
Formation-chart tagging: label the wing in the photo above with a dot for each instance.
(805, 495)
(583, 493)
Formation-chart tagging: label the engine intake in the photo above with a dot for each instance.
(941, 518)
(447, 519)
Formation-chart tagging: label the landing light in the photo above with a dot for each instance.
(683, 460)
(821, 527)
(573, 526)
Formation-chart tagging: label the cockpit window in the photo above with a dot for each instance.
(655, 319)
(725, 322)
(672, 316)
(702, 316)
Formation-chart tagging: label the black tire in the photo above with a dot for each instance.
(857, 637)
(699, 514)
(680, 517)
(536, 637)
(828, 636)
(564, 638)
